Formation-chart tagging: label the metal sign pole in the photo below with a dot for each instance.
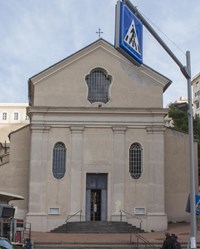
(186, 71)
(191, 152)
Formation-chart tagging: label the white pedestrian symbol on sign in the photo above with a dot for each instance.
(132, 39)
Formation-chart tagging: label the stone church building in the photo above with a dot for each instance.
(97, 146)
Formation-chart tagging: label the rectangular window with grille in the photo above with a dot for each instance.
(4, 116)
(16, 115)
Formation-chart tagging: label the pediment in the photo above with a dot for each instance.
(98, 45)
(65, 74)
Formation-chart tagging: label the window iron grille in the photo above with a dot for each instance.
(59, 160)
(135, 160)
(98, 82)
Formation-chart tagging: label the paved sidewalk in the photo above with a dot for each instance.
(182, 230)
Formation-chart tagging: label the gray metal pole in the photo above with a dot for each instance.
(187, 73)
(191, 152)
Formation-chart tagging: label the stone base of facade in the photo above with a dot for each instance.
(39, 222)
(156, 222)
(149, 222)
(118, 217)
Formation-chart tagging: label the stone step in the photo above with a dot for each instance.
(97, 227)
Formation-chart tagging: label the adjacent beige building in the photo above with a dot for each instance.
(196, 95)
(97, 142)
(12, 117)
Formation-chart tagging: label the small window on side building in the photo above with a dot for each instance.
(4, 116)
(16, 115)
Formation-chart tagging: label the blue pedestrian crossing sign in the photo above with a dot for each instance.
(131, 38)
(197, 199)
(128, 33)
(197, 204)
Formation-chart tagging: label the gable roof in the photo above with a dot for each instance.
(19, 129)
(100, 42)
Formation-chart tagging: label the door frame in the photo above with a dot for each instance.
(96, 181)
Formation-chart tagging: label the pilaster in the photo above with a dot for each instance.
(37, 176)
(76, 165)
(117, 197)
(156, 199)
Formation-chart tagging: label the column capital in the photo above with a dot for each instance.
(40, 128)
(77, 129)
(119, 129)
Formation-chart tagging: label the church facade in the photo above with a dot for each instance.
(97, 146)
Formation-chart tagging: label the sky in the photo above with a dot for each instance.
(36, 34)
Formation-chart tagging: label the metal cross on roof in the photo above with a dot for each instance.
(99, 32)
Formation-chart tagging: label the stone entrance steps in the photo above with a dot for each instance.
(97, 227)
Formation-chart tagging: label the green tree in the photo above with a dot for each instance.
(180, 122)
(180, 119)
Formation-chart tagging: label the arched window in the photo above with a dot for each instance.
(59, 160)
(98, 82)
(135, 160)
